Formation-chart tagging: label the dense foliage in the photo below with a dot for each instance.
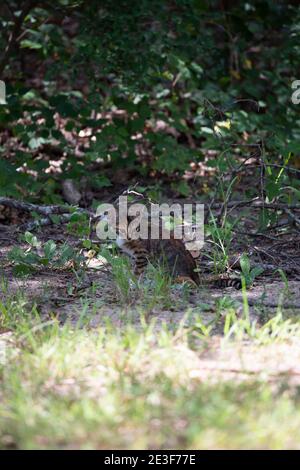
(151, 87)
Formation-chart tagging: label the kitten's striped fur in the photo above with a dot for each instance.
(177, 260)
(172, 253)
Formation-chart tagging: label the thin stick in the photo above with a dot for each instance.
(28, 5)
(292, 216)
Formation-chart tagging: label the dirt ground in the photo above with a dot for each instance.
(97, 295)
(95, 300)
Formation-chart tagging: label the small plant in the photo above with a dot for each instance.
(201, 330)
(220, 240)
(79, 225)
(37, 255)
(249, 274)
(156, 288)
(224, 306)
(16, 312)
(123, 277)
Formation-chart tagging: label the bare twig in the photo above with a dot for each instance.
(271, 304)
(288, 168)
(256, 202)
(9, 8)
(255, 234)
(295, 219)
(28, 5)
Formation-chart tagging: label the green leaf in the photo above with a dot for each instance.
(272, 189)
(256, 271)
(87, 244)
(55, 218)
(31, 239)
(22, 270)
(36, 142)
(182, 188)
(101, 182)
(50, 249)
(245, 264)
(28, 44)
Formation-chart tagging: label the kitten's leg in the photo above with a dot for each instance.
(187, 279)
(140, 263)
(137, 253)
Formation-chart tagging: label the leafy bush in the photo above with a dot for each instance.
(150, 86)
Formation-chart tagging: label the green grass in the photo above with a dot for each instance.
(67, 387)
(152, 289)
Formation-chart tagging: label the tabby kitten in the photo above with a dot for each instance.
(174, 257)
(172, 254)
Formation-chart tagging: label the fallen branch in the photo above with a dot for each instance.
(65, 211)
(45, 221)
(40, 209)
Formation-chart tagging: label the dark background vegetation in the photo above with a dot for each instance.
(177, 100)
(173, 95)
